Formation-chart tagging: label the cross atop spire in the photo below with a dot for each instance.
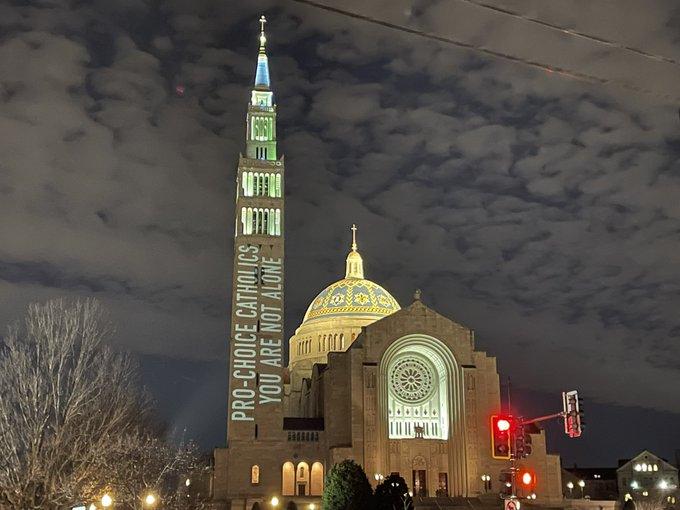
(262, 72)
(263, 38)
(354, 237)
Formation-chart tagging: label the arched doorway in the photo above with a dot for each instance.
(419, 476)
(317, 479)
(256, 506)
(288, 479)
(302, 479)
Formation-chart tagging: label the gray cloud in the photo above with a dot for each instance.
(539, 210)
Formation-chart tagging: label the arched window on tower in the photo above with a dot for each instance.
(278, 222)
(272, 185)
(342, 341)
(265, 185)
(278, 185)
(272, 226)
(265, 222)
(255, 475)
(249, 221)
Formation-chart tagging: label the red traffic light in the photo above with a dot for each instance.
(502, 424)
(501, 429)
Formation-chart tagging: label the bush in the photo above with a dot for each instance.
(347, 488)
(393, 494)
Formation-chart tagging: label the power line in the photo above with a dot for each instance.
(575, 33)
(493, 53)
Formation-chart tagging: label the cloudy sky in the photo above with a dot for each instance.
(539, 209)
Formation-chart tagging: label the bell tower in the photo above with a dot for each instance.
(256, 342)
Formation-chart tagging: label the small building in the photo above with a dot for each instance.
(647, 477)
(591, 483)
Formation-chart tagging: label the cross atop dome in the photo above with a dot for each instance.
(355, 264)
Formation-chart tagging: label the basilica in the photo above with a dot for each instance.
(397, 389)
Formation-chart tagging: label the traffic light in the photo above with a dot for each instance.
(501, 433)
(527, 479)
(522, 442)
(572, 413)
(506, 482)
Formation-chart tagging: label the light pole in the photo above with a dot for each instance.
(582, 484)
(570, 486)
(487, 482)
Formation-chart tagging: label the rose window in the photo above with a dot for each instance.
(412, 380)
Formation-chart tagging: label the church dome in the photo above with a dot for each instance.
(352, 297)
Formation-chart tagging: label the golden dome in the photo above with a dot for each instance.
(353, 296)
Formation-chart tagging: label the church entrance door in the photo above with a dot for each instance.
(419, 482)
(302, 489)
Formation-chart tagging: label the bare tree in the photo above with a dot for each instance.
(66, 398)
(143, 465)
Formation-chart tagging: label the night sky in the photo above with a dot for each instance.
(541, 210)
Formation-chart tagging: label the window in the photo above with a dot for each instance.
(255, 475)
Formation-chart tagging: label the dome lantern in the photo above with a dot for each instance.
(355, 264)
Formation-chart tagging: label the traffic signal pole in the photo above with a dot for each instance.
(519, 443)
(561, 414)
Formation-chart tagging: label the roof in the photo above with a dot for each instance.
(352, 297)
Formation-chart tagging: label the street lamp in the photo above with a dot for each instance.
(487, 482)
(312, 506)
(582, 484)
(570, 486)
(107, 501)
(274, 502)
(150, 500)
(92, 507)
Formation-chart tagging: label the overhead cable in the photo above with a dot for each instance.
(570, 73)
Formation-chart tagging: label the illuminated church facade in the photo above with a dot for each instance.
(398, 390)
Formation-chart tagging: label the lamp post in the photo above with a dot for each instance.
(274, 502)
(582, 484)
(107, 501)
(150, 500)
(570, 486)
(487, 482)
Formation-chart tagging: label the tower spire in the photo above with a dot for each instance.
(262, 73)
(263, 38)
(355, 264)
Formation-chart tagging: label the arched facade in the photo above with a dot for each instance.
(423, 357)
(301, 479)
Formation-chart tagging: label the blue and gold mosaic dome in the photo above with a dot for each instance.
(353, 295)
